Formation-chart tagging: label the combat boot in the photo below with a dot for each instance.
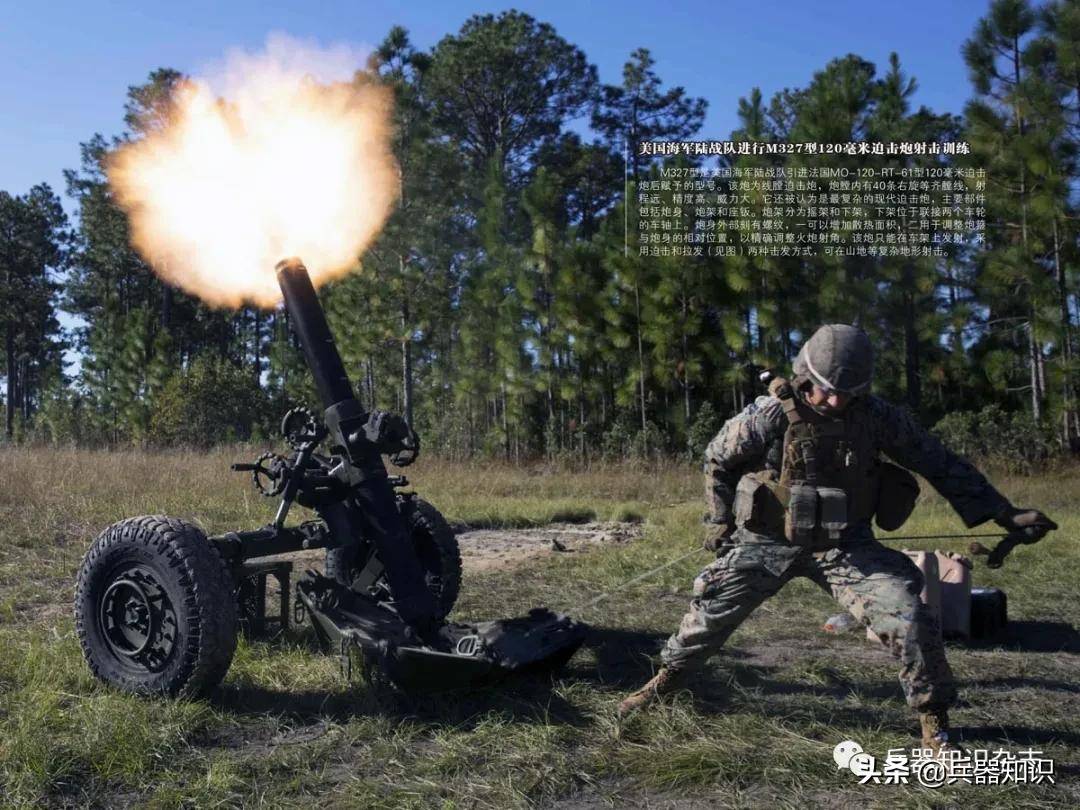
(935, 732)
(664, 682)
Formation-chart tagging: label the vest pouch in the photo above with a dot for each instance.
(757, 507)
(801, 514)
(834, 511)
(896, 495)
(744, 499)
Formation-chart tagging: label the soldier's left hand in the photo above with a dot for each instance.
(1030, 523)
(716, 534)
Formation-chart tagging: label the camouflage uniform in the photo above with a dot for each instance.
(878, 585)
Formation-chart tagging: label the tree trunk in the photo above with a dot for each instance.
(603, 400)
(1069, 393)
(517, 434)
(686, 408)
(956, 342)
(24, 387)
(686, 364)
(1040, 366)
(911, 350)
(581, 414)
(166, 306)
(1033, 364)
(469, 428)
(9, 347)
(257, 348)
(505, 425)
(1034, 355)
(406, 362)
(641, 355)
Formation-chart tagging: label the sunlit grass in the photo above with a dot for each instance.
(285, 729)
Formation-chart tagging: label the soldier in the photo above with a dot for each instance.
(792, 483)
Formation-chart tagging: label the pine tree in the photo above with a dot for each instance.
(33, 242)
(1013, 142)
(908, 287)
(505, 85)
(638, 110)
(1060, 22)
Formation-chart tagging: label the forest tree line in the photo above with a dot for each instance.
(500, 309)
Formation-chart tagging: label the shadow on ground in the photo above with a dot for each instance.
(521, 698)
(1019, 735)
(1034, 636)
(528, 699)
(624, 658)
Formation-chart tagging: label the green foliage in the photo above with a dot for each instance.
(707, 423)
(60, 419)
(208, 403)
(618, 440)
(1010, 441)
(625, 440)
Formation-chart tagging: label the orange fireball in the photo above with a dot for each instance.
(284, 165)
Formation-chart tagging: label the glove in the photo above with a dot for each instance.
(1030, 524)
(716, 534)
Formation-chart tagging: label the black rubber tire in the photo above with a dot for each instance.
(195, 598)
(436, 546)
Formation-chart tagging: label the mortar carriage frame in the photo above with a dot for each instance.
(157, 602)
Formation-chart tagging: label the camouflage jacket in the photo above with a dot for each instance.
(753, 440)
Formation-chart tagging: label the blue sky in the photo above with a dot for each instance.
(65, 66)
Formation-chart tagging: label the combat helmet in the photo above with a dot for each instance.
(837, 357)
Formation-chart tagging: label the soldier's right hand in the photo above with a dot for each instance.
(716, 534)
(1031, 524)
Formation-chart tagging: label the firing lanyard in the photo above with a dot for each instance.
(632, 580)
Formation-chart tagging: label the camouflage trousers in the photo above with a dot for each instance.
(879, 586)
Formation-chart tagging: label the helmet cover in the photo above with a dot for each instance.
(837, 357)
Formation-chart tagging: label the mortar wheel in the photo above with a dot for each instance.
(155, 608)
(436, 548)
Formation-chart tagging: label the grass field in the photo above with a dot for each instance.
(285, 729)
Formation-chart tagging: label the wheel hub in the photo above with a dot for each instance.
(137, 619)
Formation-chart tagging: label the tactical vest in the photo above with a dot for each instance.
(828, 478)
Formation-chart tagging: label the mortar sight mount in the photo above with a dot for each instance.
(158, 604)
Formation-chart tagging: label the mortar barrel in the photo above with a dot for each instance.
(316, 341)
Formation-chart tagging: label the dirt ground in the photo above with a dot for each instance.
(494, 549)
(485, 550)
(499, 549)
